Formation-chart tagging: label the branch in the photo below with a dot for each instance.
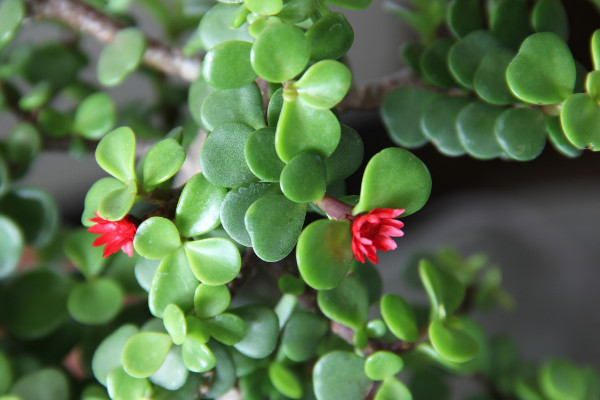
(84, 18)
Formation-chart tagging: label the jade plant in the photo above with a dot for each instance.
(251, 271)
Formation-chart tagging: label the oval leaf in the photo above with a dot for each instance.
(340, 375)
(144, 353)
(95, 302)
(347, 304)
(399, 317)
(121, 57)
(156, 238)
(214, 261)
(198, 207)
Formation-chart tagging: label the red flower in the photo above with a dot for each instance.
(374, 231)
(115, 235)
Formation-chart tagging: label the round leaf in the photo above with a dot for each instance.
(580, 118)
(262, 330)
(490, 78)
(324, 84)
(122, 386)
(265, 7)
(560, 379)
(156, 238)
(11, 15)
(292, 50)
(199, 91)
(174, 321)
(444, 290)
(11, 246)
(285, 381)
(107, 356)
(243, 104)
(163, 161)
(347, 157)
(543, 72)
(173, 374)
(225, 376)
(324, 253)
(393, 389)
(347, 304)
(302, 335)
(45, 384)
(351, 5)
(476, 129)
(227, 65)
(465, 16)
(121, 57)
(78, 249)
(408, 187)
(116, 154)
(453, 344)
(509, 21)
(296, 10)
(438, 122)
(383, 364)
(340, 375)
(198, 207)
(144, 353)
(550, 16)
(522, 133)
(261, 156)
(95, 116)
(399, 317)
(228, 329)
(95, 302)
(434, 64)
(304, 178)
(214, 26)
(211, 300)
(330, 37)
(117, 203)
(197, 330)
(465, 55)
(95, 195)
(559, 140)
(214, 261)
(197, 357)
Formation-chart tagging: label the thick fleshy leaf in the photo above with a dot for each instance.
(351, 5)
(78, 249)
(490, 78)
(264, 7)
(274, 224)
(340, 375)
(162, 161)
(122, 386)
(174, 283)
(235, 205)
(262, 330)
(95, 195)
(521, 132)
(156, 237)
(22, 145)
(434, 63)
(465, 16)
(330, 37)
(144, 353)
(95, 302)
(509, 22)
(144, 272)
(174, 321)
(347, 304)
(302, 127)
(94, 392)
(11, 246)
(121, 57)
(304, 178)
(11, 15)
(197, 329)
(117, 203)
(261, 156)
(383, 364)
(550, 16)
(444, 290)
(243, 104)
(95, 116)
(214, 261)
(173, 374)
(580, 118)
(347, 157)
(214, 26)
(595, 45)
(227, 65)
(438, 123)
(476, 125)
(228, 329)
(324, 253)
(197, 357)
(393, 389)
(543, 72)
(296, 10)
(302, 335)
(559, 140)
(199, 91)
(561, 379)
(36, 311)
(108, 354)
(211, 300)
(465, 55)
(285, 381)
(44, 384)
(399, 317)
(407, 187)
(401, 112)
(39, 95)
(225, 376)
(274, 108)
(324, 84)
(116, 154)
(4, 177)
(222, 160)
(455, 345)
(198, 207)
(291, 47)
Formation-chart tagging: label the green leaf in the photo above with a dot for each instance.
(198, 207)
(324, 253)
(4, 177)
(551, 16)
(274, 224)
(291, 47)
(543, 72)
(214, 26)
(274, 108)
(347, 304)
(509, 22)
(244, 105)
(464, 17)
(347, 157)
(407, 187)
(173, 374)
(95, 116)
(53, 62)
(227, 65)
(510, 129)
(174, 283)
(222, 160)
(261, 156)
(116, 154)
(262, 331)
(11, 15)
(225, 376)
(11, 246)
(476, 125)
(382, 365)
(45, 384)
(144, 353)
(39, 95)
(122, 386)
(304, 178)
(393, 389)
(235, 206)
(121, 57)
(330, 37)
(78, 249)
(264, 7)
(296, 10)
(465, 55)
(399, 317)
(324, 84)
(6, 373)
(446, 293)
(285, 381)
(228, 329)
(94, 392)
(580, 118)
(197, 357)
(351, 5)
(199, 91)
(302, 127)
(35, 310)
(117, 203)
(23, 144)
(560, 379)
(95, 302)
(214, 261)
(144, 272)
(55, 123)
(438, 123)
(559, 140)
(302, 335)
(107, 356)
(490, 78)
(163, 161)
(95, 195)
(595, 45)
(434, 64)
(156, 237)
(340, 375)
(197, 330)
(174, 321)
(211, 300)
(401, 111)
(454, 345)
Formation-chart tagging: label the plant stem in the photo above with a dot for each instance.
(335, 208)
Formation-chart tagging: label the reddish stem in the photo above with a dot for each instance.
(335, 208)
